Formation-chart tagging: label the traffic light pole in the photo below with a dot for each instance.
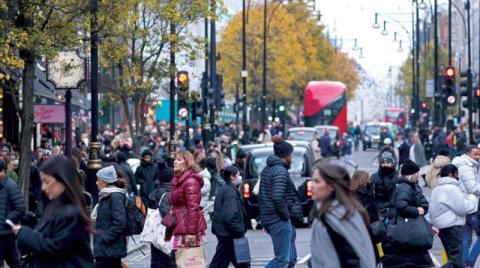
(213, 64)
(417, 67)
(206, 127)
(469, 70)
(264, 91)
(171, 148)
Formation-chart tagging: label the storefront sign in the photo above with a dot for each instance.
(49, 113)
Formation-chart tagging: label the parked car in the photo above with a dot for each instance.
(300, 173)
(301, 133)
(336, 141)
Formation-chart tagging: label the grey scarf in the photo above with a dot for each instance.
(353, 229)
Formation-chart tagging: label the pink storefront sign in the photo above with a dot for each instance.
(49, 113)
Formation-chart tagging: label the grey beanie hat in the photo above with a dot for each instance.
(107, 174)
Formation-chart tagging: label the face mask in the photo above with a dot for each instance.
(239, 180)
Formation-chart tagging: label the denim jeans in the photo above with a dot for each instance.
(470, 254)
(452, 242)
(283, 239)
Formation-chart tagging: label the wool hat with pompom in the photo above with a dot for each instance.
(281, 148)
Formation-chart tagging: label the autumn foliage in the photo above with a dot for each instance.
(298, 52)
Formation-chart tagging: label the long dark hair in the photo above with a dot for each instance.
(63, 170)
(337, 177)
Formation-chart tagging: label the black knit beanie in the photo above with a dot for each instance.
(409, 168)
(281, 148)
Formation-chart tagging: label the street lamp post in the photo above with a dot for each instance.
(469, 70)
(244, 69)
(264, 91)
(417, 67)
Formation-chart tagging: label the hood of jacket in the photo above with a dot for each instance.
(464, 160)
(178, 180)
(448, 180)
(274, 160)
(440, 161)
(144, 163)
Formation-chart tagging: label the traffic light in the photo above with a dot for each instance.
(182, 85)
(220, 96)
(465, 86)
(450, 85)
(197, 109)
(424, 105)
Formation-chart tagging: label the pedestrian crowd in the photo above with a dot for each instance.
(67, 223)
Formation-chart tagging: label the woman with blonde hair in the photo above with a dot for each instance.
(185, 199)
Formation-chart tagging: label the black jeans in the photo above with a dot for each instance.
(105, 262)
(8, 251)
(452, 240)
(225, 255)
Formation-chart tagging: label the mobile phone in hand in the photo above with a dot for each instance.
(9, 222)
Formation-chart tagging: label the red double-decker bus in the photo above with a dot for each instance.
(396, 116)
(325, 103)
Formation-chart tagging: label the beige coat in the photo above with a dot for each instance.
(432, 174)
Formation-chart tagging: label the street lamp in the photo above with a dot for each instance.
(375, 24)
(384, 31)
(400, 49)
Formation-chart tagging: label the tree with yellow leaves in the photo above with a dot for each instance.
(298, 52)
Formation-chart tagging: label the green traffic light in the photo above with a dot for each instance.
(281, 108)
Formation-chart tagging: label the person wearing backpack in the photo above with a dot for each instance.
(110, 243)
(12, 207)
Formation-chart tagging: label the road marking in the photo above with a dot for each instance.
(304, 259)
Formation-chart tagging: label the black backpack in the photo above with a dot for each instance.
(135, 218)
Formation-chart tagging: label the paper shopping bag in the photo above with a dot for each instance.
(242, 250)
(190, 258)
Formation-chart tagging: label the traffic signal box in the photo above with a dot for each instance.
(464, 85)
(451, 95)
(183, 86)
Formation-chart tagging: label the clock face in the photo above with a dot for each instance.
(67, 70)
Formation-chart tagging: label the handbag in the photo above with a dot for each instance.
(154, 231)
(378, 229)
(242, 250)
(190, 258)
(411, 233)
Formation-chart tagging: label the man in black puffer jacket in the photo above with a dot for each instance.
(12, 207)
(279, 204)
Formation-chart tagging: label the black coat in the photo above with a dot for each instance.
(383, 188)
(368, 201)
(228, 218)
(111, 222)
(156, 196)
(278, 198)
(12, 205)
(407, 198)
(325, 145)
(61, 241)
(147, 176)
(403, 153)
(132, 183)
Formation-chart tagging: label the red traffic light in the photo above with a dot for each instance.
(477, 92)
(424, 105)
(450, 72)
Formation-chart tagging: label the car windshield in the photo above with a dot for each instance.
(332, 132)
(301, 135)
(258, 163)
(372, 130)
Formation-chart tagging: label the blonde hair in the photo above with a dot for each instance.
(359, 178)
(189, 161)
